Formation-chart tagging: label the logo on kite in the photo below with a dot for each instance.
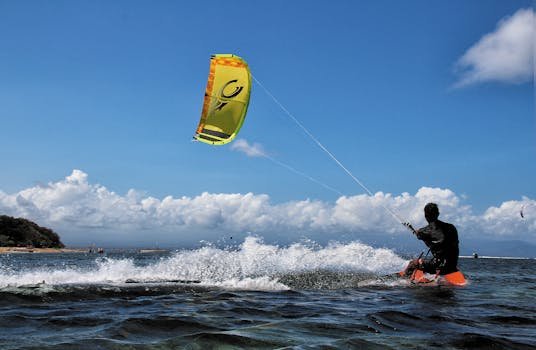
(226, 100)
(223, 98)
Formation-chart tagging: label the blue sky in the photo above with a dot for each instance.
(114, 89)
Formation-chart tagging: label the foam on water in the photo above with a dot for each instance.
(253, 265)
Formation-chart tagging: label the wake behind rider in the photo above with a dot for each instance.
(442, 239)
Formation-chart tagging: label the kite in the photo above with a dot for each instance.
(226, 100)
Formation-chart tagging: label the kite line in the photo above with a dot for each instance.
(322, 147)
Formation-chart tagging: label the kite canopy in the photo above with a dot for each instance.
(226, 100)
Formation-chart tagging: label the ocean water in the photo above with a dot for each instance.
(260, 296)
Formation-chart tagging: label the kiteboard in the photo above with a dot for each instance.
(422, 278)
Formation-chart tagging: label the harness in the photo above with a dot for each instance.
(420, 266)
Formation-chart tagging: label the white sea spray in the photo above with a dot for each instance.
(253, 265)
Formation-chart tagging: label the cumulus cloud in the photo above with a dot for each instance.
(254, 150)
(505, 55)
(76, 204)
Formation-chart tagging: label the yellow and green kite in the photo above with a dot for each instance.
(226, 100)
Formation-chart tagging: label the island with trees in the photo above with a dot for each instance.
(19, 234)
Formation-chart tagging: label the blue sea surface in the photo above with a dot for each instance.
(259, 296)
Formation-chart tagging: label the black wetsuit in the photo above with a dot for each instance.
(442, 239)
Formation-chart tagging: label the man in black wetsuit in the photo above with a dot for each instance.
(442, 239)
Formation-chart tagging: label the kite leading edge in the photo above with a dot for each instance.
(226, 100)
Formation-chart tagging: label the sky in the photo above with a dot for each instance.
(419, 101)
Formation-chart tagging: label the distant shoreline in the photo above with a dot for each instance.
(17, 250)
(496, 257)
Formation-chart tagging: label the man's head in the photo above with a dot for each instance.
(431, 212)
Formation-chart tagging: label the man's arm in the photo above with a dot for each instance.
(425, 234)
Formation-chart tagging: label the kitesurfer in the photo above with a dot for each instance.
(442, 239)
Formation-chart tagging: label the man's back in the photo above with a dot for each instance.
(442, 239)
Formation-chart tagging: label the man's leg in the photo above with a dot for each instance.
(413, 264)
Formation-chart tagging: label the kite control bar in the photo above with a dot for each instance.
(408, 225)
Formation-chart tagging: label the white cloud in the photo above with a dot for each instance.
(502, 221)
(74, 204)
(505, 55)
(254, 150)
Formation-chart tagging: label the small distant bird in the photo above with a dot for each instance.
(521, 212)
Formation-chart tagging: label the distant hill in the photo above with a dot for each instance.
(21, 232)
